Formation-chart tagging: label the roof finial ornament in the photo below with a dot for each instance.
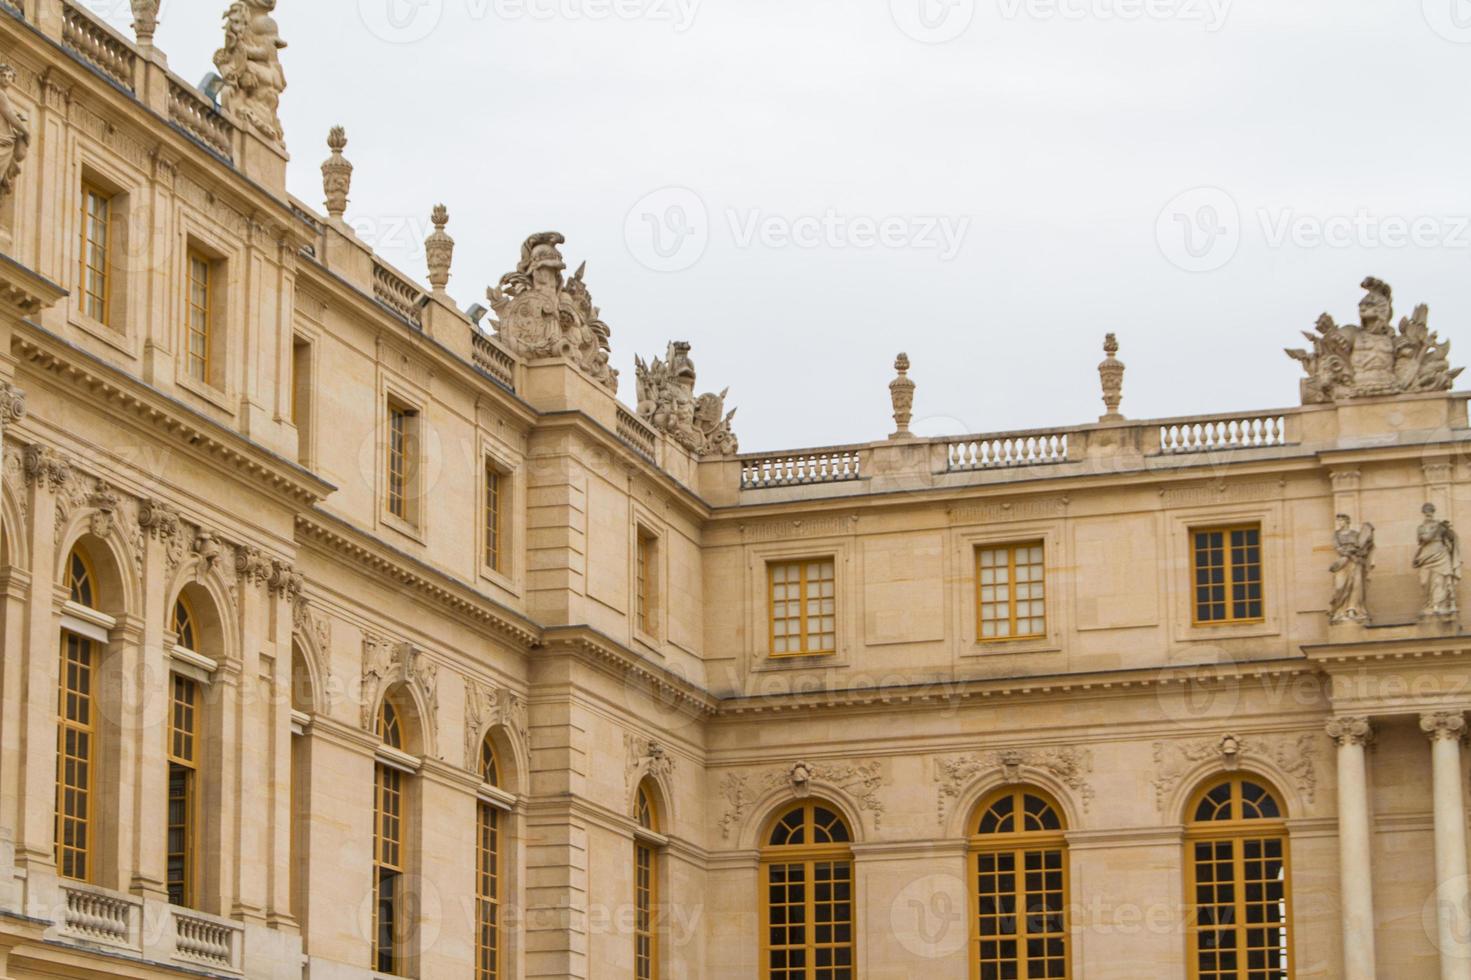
(439, 249)
(145, 20)
(336, 174)
(901, 391)
(1111, 372)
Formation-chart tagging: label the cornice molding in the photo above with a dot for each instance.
(25, 292)
(125, 395)
(594, 647)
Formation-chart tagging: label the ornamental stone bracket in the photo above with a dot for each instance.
(862, 781)
(387, 663)
(1070, 766)
(488, 707)
(1292, 756)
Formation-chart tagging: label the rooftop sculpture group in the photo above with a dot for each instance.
(250, 64)
(1371, 359)
(539, 313)
(666, 400)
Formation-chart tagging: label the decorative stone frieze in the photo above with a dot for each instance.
(439, 249)
(901, 393)
(1350, 730)
(862, 781)
(667, 401)
(250, 64)
(336, 174)
(1448, 725)
(1111, 374)
(645, 757)
(1350, 602)
(1438, 561)
(539, 313)
(1371, 359)
(487, 707)
(1292, 755)
(1069, 765)
(15, 137)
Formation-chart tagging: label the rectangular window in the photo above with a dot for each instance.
(647, 582)
(495, 529)
(1228, 575)
(388, 869)
(644, 896)
(803, 608)
(183, 772)
(400, 459)
(1011, 580)
(201, 317)
(488, 894)
(74, 759)
(95, 290)
(301, 397)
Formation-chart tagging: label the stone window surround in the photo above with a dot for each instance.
(513, 528)
(93, 170)
(645, 526)
(226, 304)
(1180, 570)
(758, 601)
(397, 391)
(1059, 593)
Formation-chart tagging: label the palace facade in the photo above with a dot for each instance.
(347, 634)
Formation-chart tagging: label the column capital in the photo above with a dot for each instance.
(1350, 730)
(1439, 725)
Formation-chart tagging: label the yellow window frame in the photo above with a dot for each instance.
(1018, 844)
(399, 447)
(1233, 574)
(183, 772)
(646, 576)
(1236, 831)
(199, 325)
(94, 286)
(76, 757)
(809, 858)
(495, 527)
(1012, 551)
(804, 597)
(645, 890)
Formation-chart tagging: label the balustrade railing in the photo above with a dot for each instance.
(398, 294)
(197, 116)
(636, 433)
(208, 941)
(493, 359)
(98, 46)
(794, 469)
(96, 916)
(999, 452)
(1209, 435)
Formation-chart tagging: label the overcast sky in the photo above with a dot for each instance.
(803, 188)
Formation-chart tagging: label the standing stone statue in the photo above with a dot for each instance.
(250, 64)
(1439, 564)
(15, 138)
(1351, 572)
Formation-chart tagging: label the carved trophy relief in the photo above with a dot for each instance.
(667, 401)
(1073, 767)
(487, 707)
(250, 64)
(1372, 359)
(539, 313)
(388, 662)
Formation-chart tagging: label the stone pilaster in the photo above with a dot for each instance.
(1447, 730)
(1353, 736)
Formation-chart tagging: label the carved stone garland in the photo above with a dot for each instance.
(386, 663)
(487, 707)
(1071, 766)
(1291, 755)
(862, 781)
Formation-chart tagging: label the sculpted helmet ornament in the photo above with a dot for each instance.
(250, 64)
(1372, 358)
(539, 313)
(667, 401)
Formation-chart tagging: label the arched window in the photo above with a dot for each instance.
(807, 865)
(645, 888)
(488, 872)
(184, 625)
(1018, 865)
(1236, 853)
(388, 840)
(76, 736)
(183, 753)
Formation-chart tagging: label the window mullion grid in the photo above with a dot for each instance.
(1011, 588)
(802, 599)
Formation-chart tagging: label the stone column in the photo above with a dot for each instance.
(1355, 870)
(1452, 896)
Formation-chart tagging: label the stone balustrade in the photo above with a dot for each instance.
(634, 432)
(493, 359)
(398, 294)
(96, 44)
(200, 120)
(1210, 435)
(1022, 449)
(208, 941)
(96, 915)
(793, 469)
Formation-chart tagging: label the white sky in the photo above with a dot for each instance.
(1055, 132)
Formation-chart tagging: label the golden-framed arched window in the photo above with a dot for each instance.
(1019, 887)
(645, 886)
(388, 848)
(183, 624)
(488, 876)
(807, 895)
(1239, 880)
(76, 730)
